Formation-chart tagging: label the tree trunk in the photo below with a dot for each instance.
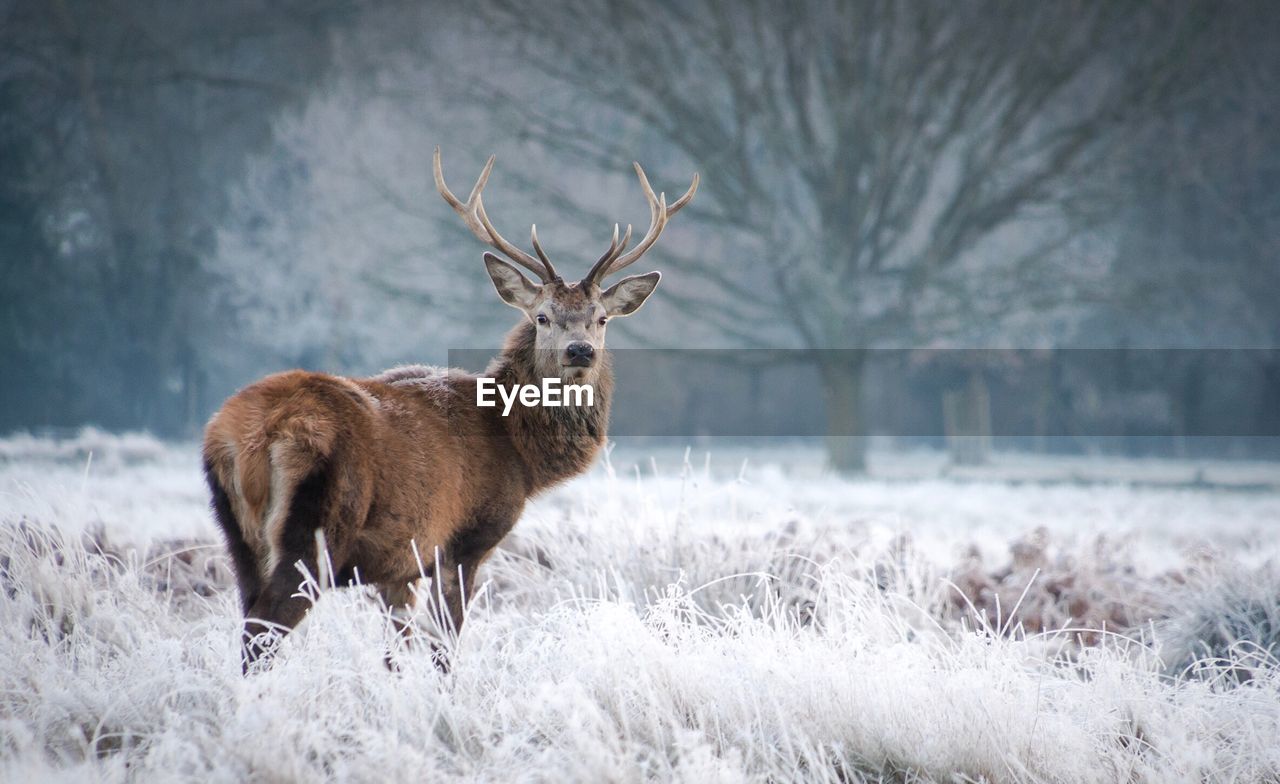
(966, 415)
(1269, 412)
(846, 431)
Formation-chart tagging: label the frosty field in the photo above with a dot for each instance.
(737, 617)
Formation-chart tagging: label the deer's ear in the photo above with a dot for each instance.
(627, 295)
(514, 288)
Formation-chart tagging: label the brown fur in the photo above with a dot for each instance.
(379, 463)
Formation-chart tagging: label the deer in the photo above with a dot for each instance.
(363, 476)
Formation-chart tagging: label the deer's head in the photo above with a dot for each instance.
(569, 319)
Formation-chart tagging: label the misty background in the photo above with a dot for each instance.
(193, 195)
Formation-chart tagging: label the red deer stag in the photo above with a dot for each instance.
(405, 463)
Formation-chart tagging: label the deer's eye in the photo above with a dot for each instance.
(603, 319)
(541, 319)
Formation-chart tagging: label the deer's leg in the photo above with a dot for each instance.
(243, 563)
(466, 553)
(452, 588)
(449, 585)
(458, 586)
(400, 600)
(318, 502)
(451, 572)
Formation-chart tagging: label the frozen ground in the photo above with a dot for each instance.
(738, 617)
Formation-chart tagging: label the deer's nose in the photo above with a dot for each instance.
(579, 352)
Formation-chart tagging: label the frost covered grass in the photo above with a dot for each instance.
(702, 622)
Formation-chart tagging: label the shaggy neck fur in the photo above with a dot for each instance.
(554, 443)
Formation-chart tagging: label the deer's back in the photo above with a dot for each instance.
(424, 465)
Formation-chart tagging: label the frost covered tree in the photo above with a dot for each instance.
(878, 173)
(336, 252)
(121, 124)
(875, 174)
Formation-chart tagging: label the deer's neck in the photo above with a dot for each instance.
(554, 443)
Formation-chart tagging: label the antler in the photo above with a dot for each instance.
(473, 214)
(659, 213)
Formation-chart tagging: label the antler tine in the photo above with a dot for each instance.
(484, 178)
(609, 255)
(533, 233)
(626, 240)
(515, 254)
(464, 210)
(613, 248)
(686, 198)
(475, 218)
(659, 214)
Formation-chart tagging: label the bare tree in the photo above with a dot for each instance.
(896, 172)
